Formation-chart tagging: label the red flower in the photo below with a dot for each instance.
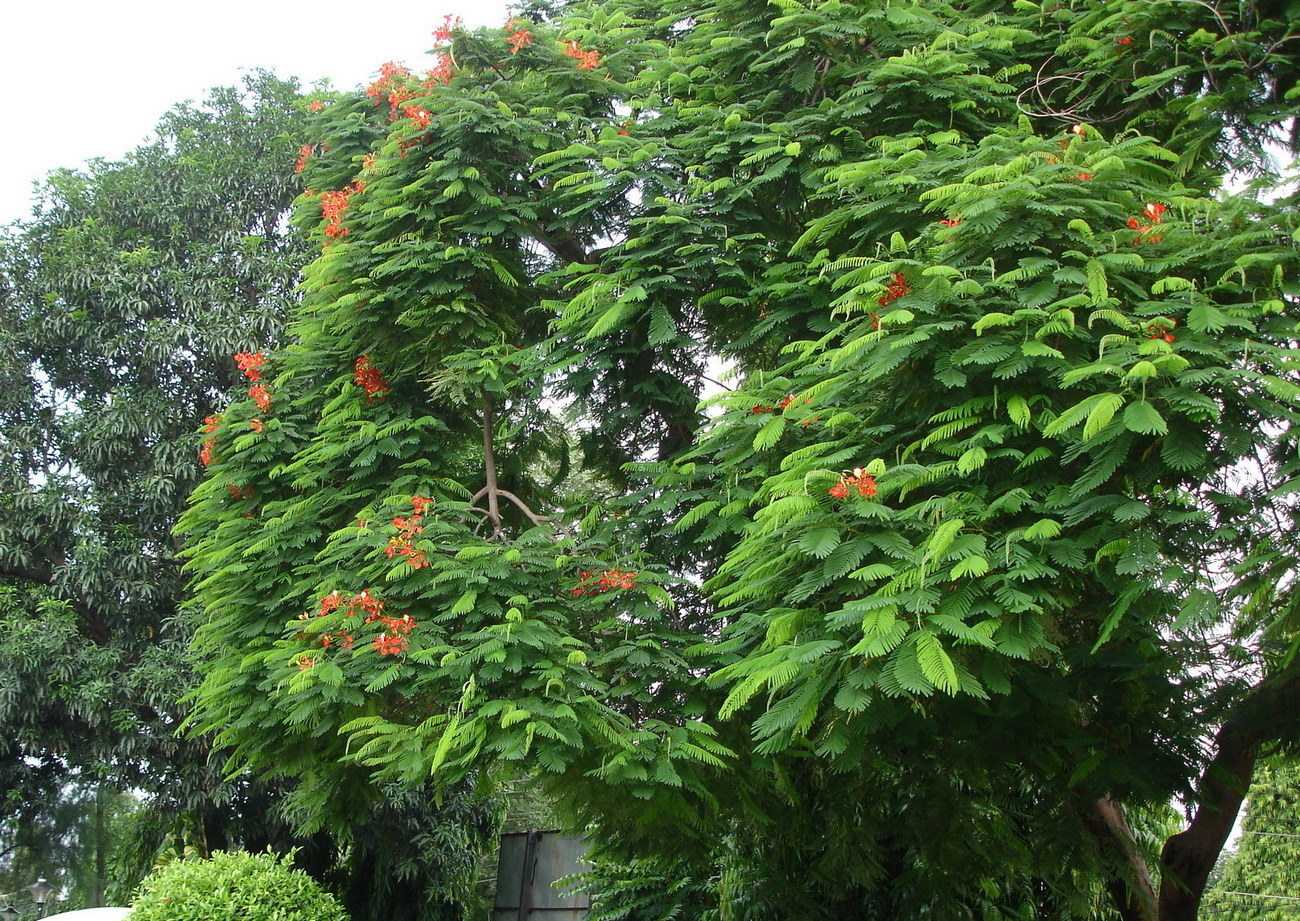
(367, 377)
(1083, 177)
(450, 25)
(261, 396)
(418, 115)
(304, 154)
(332, 206)
(389, 645)
(518, 38)
(590, 583)
(210, 423)
(950, 221)
(1155, 213)
(1126, 40)
(316, 105)
(240, 492)
(251, 363)
(441, 73)
(207, 453)
(761, 408)
(587, 60)
(304, 663)
(858, 479)
(894, 290)
(256, 425)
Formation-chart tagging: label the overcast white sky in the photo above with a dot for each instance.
(90, 78)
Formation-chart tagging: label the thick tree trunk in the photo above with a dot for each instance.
(1189, 856)
(1264, 715)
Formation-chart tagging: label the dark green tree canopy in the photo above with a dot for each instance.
(978, 557)
(120, 304)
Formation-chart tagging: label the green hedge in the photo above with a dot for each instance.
(248, 887)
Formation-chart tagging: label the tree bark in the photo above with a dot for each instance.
(1264, 715)
(1133, 893)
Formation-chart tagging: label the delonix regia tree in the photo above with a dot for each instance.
(979, 558)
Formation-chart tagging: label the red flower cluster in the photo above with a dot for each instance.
(392, 638)
(450, 25)
(207, 453)
(407, 529)
(441, 73)
(587, 60)
(261, 396)
(417, 115)
(1083, 177)
(332, 206)
(391, 86)
(858, 479)
(593, 583)
(894, 290)
(387, 645)
(304, 154)
(240, 492)
(517, 37)
(1155, 215)
(316, 105)
(1157, 331)
(946, 222)
(367, 377)
(256, 425)
(251, 363)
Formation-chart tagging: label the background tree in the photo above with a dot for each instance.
(124, 298)
(979, 564)
(124, 301)
(1265, 861)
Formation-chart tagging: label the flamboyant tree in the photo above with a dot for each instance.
(978, 557)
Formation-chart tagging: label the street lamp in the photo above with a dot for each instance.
(40, 892)
(9, 913)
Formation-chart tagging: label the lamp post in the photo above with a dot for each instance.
(40, 892)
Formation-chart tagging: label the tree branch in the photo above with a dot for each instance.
(1134, 896)
(1188, 857)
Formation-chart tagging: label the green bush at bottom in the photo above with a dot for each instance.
(248, 887)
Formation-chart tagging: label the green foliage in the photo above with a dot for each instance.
(1264, 871)
(935, 592)
(259, 887)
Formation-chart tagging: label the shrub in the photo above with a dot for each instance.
(251, 887)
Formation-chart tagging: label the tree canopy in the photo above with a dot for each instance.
(122, 301)
(977, 557)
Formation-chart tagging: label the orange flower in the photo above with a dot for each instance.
(518, 37)
(587, 60)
